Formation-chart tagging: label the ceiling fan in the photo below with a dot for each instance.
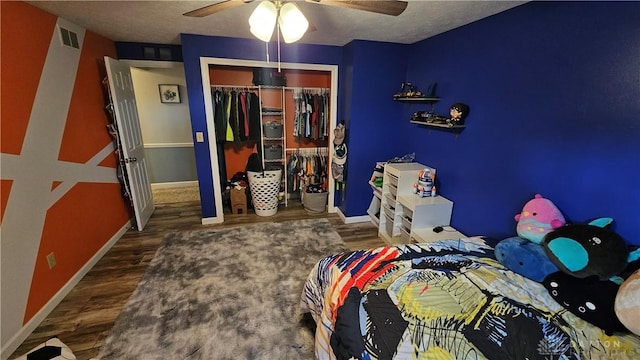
(286, 17)
(290, 21)
(387, 7)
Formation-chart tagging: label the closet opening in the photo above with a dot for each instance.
(286, 127)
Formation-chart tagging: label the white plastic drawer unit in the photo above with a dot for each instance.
(390, 199)
(388, 225)
(393, 180)
(405, 236)
(393, 190)
(407, 213)
(406, 222)
(389, 211)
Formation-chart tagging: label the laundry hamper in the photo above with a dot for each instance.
(314, 202)
(265, 187)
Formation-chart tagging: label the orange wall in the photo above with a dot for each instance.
(24, 48)
(91, 211)
(236, 155)
(79, 213)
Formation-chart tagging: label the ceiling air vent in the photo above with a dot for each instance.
(69, 38)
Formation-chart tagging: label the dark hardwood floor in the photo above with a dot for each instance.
(85, 316)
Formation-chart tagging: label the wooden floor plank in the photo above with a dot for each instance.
(86, 315)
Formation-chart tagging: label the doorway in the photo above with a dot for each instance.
(166, 130)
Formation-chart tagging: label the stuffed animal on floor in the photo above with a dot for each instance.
(590, 299)
(525, 258)
(584, 250)
(539, 216)
(627, 303)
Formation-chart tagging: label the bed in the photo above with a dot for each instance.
(444, 300)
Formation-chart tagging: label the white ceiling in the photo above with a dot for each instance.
(162, 22)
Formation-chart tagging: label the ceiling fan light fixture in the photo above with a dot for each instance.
(292, 23)
(263, 20)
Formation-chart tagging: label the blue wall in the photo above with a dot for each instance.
(374, 128)
(554, 91)
(554, 95)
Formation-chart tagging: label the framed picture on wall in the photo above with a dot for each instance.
(169, 93)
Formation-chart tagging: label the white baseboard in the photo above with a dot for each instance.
(212, 220)
(357, 219)
(175, 184)
(167, 145)
(352, 219)
(32, 324)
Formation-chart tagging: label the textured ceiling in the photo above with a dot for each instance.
(162, 21)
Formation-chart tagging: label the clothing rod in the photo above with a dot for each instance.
(301, 88)
(268, 87)
(324, 151)
(235, 86)
(309, 148)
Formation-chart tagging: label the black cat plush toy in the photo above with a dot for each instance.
(590, 299)
(584, 250)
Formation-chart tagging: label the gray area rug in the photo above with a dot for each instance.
(224, 294)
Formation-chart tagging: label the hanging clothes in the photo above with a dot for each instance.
(311, 113)
(219, 114)
(227, 103)
(234, 119)
(304, 169)
(255, 127)
(236, 115)
(244, 117)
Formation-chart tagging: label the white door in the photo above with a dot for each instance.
(126, 115)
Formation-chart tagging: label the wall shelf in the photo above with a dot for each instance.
(417, 99)
(430, 100)
(451, 128)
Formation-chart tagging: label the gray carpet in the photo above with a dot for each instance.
(224, 294)
(176, 195)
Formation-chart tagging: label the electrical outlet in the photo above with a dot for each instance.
(199, 136)
(51, 260)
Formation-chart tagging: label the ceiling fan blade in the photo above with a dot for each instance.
(387, 7)
(312, 27)
(217, 7)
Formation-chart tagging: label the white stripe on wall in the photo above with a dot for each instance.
(33, 175)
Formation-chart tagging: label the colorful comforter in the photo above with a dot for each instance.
(444, 300)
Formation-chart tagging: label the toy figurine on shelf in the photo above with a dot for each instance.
(423, 190)
(407, 89)
(424, 186)
(458, 112)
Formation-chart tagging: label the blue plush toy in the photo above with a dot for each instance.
(525, 258)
